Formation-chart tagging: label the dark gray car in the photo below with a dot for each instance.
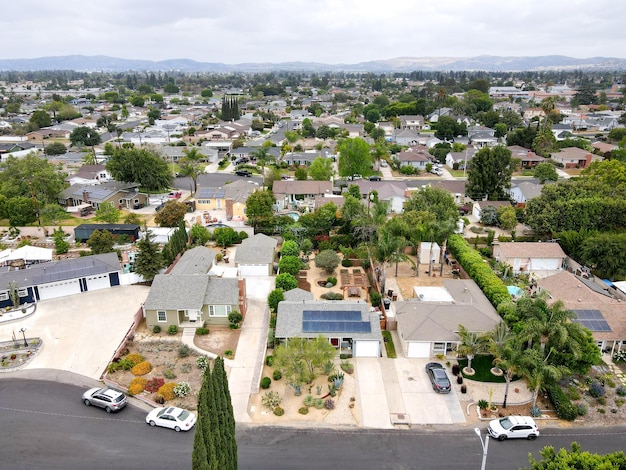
(107, 398)
(438, 377)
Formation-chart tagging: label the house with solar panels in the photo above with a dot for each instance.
(60, 278)
(229, 197)
(594, 305)
(349, 326)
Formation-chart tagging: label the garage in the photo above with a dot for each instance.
(101, 281)
(58, 289)
(253, 270)
(418, 349)
(366, 348)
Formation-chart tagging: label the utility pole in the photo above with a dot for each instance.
(32, 193)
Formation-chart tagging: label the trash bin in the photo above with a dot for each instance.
(387, 303)
(389, 293)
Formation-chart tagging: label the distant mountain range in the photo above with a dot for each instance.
(400, 64)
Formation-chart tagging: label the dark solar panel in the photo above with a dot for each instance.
(589, 314)
(318, 326)
(595, 325)
(331, 315)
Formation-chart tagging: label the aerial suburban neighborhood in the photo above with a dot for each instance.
(339, 250)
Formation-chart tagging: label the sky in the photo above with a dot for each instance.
(326, 31)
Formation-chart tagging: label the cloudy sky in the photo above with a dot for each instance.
(328, 31)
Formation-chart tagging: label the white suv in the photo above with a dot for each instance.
(513, 427)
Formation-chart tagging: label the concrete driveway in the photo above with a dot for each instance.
(80, 332)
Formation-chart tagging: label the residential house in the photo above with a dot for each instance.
(230, 197)
(527, 158)
(387, 128)
(540, 259)
(393, 192)
(188, 297)
(173, 154)
(478, 206)
(460, 159)
(405, 137)
(121, 195)
(349, 326)
(90, 175)
(416, 157)
(255, 256)
(53, 279)
(574, 157)
(562, 131)
(290, 194)
(300, 158)
(523, 192)
(415, 123)
(481, 136)
(428, 325)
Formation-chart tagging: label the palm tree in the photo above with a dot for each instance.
(544, 323)
(506, 351)
(389, 247)
(262, 157)
(538, 370)
(190, 165)
(471, 344)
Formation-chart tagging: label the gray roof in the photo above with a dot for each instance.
(258, 249)
(439, 321)
(198, 260)
(222, 291)
(62, 270)
(289, 322)
(190, 291)
(298, 295)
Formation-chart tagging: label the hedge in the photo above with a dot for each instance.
(565, 409)
(474, 265)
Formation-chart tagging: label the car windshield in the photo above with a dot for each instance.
(184, 414)
(506, 423)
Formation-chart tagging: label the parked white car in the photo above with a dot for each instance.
(172, 418)
(513, 427)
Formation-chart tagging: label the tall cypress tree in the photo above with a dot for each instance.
(227, 416)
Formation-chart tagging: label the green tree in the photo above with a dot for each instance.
(31, 175)
(172, 213)
(55, 148)
(260, 208)
(101, 241)
(576, 458)
(354, 157)
(290, 264)
(286, 282)
(290, 248)
(327, 260)
(321, 169)
(132, 218)
(84, 137)
(199, 235)
(52, 213)
(490, 174)
(301, 360)
(20, 211)
(507, 218)
(141, 166)
(301, 174)
(108, 213)
(61, 246)
(605, 253)
(275, 297)
(225, 236)
(471, 345)
(544, 142)
(545, 172)
(190, 165)
(149, 260)
(40, 118)
(435, 201)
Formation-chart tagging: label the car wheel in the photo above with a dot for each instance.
(177, 429)
(152, 423)
(532, 437)
(502, 437)
(108, 410)
(86, 402)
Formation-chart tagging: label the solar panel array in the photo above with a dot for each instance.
(210, 193)
(334, 321)
(592, 320)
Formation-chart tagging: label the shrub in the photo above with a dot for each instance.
(167, 391)
(156, 329)
(596, 390)
(172, 330)
(347, 367)
(185, 368)
(375, 298)
(142, 368)
(303, 410)
(581, 408)
(332, 296)
(619, 402)
(235, 318)
(182, 389)
(277, 375)
(271, 399)
(137, 385)
(601, 400)
(229, 353)
(309, 400)
(202, 331)
(620, 391)
(269, 361)
(278, 411)
(535, 411)
(346, 263)
(134, 358)
(601, 411)
(483, 404)
(565, 409)
(318, 403)
(154, 384)
(286, 282)
(573, 393)
(202, 362)
(265, 383)
(184, 350)
(331, 280)
(169, 374)
(329, 404)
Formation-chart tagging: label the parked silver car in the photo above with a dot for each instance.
(513, 427)
(107, 398)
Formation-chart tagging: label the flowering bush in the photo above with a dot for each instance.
(202, 362)
(134, 358)
(167, 391)
(142, 368)
(137, 385)
(154, 384)
(182, 389)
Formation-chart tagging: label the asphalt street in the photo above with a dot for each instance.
(46, 426)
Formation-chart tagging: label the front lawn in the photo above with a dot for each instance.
(482, 365)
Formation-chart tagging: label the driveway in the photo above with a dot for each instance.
(80, 332)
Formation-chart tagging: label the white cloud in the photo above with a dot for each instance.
(330, 31)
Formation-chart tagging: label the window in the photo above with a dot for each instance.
(4, 295)
(121, 201)
(22, 292)
(219, 310)
(161, 316)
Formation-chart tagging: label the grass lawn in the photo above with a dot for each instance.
(389, 346)
(482, 365)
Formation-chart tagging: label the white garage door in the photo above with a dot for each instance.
(58, 289)
(418, 349)
(253, 270)
(364, 348)
(100, 281)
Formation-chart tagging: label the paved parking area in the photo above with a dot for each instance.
(80, 332)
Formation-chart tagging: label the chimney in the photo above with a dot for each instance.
(85, 197)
